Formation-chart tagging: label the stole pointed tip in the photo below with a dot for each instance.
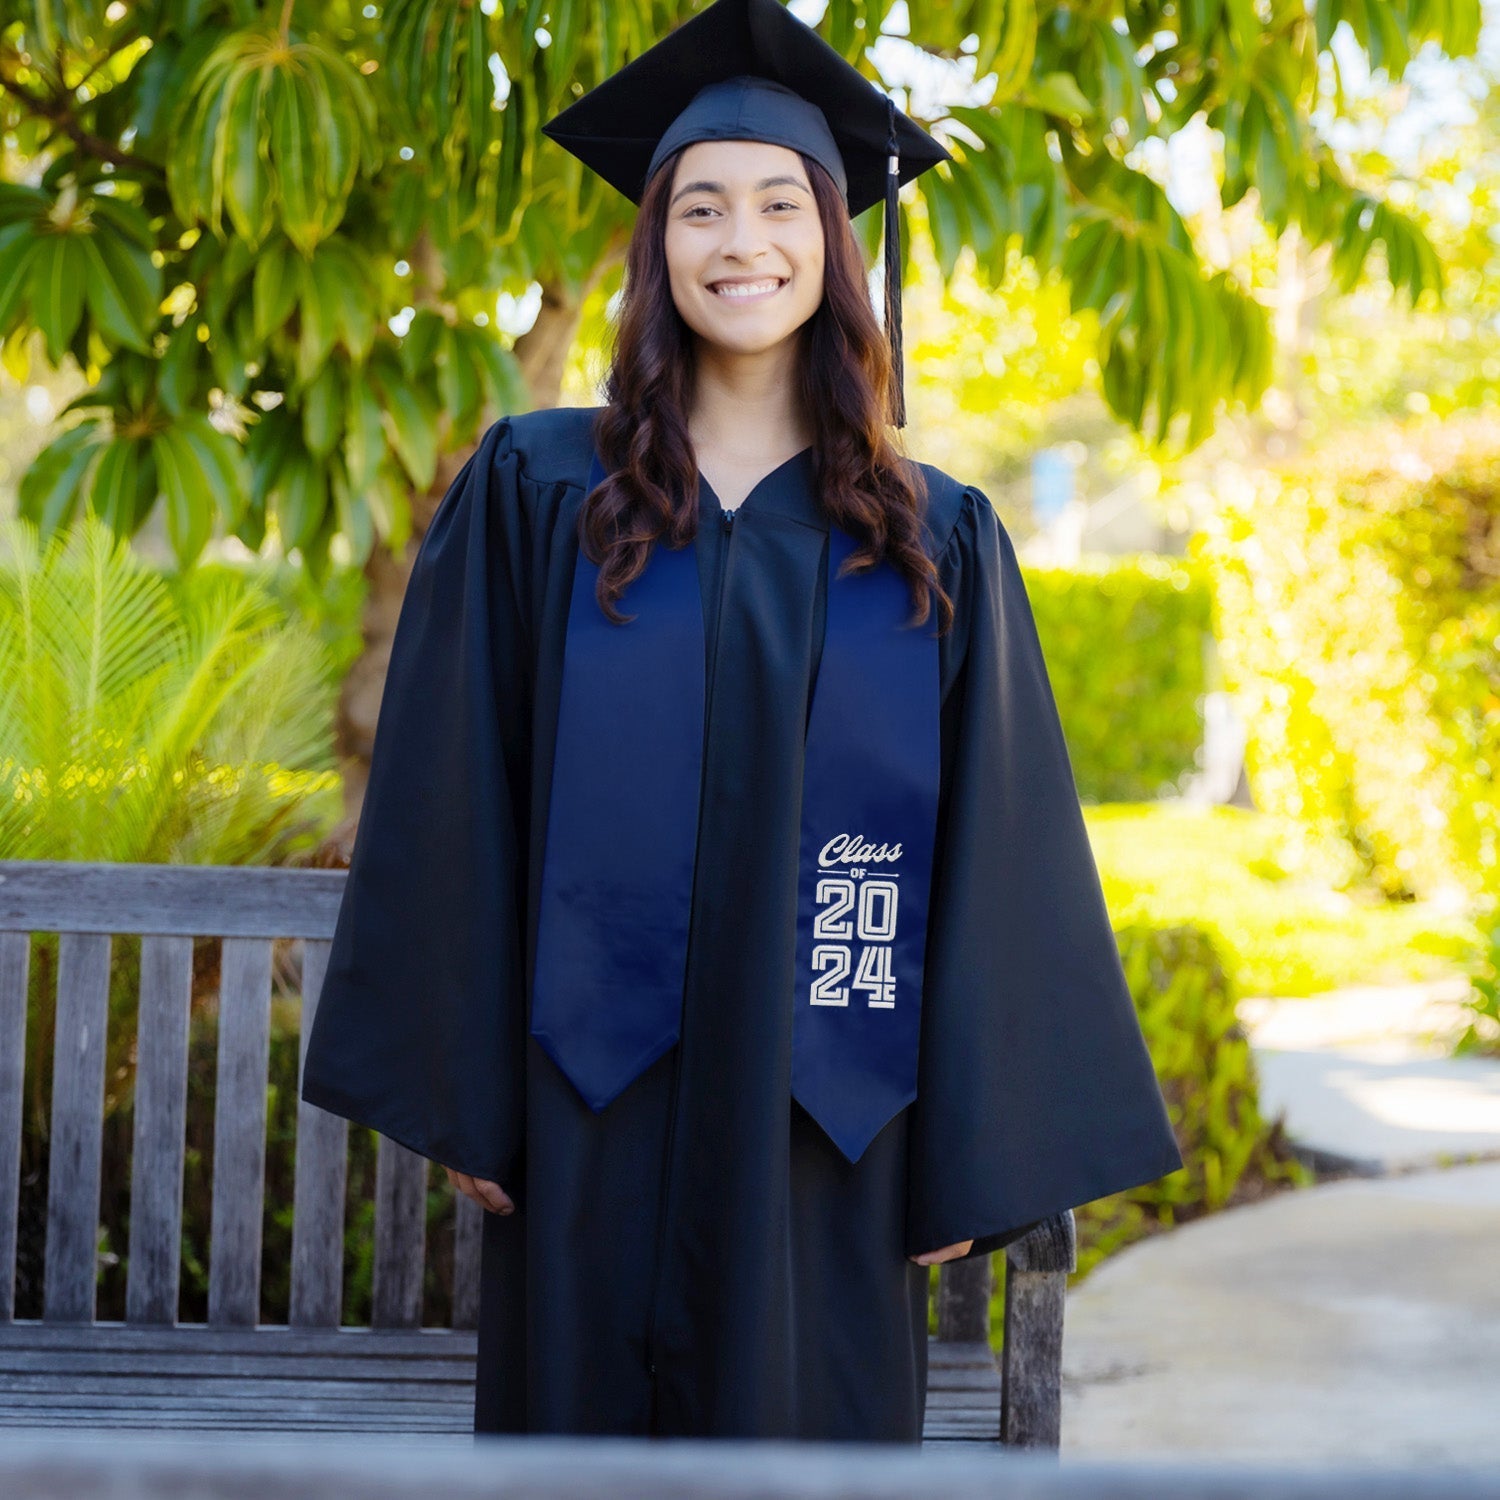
(600, 1075)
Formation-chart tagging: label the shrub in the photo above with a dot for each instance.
(184, 719)
(1127, 645)
(1357, 605)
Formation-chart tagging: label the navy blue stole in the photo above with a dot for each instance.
(617, 873)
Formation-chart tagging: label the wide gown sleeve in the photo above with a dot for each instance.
(1036, 1092)
(420, 1027)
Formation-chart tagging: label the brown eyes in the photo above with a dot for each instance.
(780, 203)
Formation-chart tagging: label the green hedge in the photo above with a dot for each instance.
(1357, 607)
(1126, 641)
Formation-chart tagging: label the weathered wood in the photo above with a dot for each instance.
(468, 1229)
(1036, 1288)
(317, 1414)
(156, 1176)
(964, 1300)
(218, 1395)
(963, 1393)
(240, 1131)
(190, 1375)
(113, 1339)
(1031, 1398)
(315, 1418)
(224, 1392)
(76, 1146)
(218, 1428)
(15, 955)
(400, 1233)
(190, 1367)
(276, 1378)
(141, 1466)
(188, 900)
(1051, 1246)
(321, 1179)
(317, 1398)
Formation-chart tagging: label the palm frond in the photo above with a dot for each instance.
(148, 719)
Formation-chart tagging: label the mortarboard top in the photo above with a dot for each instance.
(750, 70)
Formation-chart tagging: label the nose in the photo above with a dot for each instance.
(745, 238)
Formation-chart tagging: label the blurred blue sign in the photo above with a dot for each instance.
(1051, 484)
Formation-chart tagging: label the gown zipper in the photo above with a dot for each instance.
(661, 1216)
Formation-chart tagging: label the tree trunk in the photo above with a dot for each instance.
(542, 354)
(1303, 280)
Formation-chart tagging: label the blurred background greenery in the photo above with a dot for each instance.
(1228, 268)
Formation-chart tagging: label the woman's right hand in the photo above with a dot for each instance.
(485, 1193)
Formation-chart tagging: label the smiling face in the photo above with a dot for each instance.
(744, 244)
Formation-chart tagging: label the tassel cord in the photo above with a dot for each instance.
(893, 267)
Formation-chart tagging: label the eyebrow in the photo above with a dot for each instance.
(718, 187)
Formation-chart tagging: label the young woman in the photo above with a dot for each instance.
(722, 915)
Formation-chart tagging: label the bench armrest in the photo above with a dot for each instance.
(1036, 1286)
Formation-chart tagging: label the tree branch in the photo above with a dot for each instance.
(56, 111)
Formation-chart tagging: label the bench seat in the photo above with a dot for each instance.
(272, 1378)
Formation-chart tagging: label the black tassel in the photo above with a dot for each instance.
(893, 266)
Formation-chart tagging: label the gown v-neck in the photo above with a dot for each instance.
(765, 479)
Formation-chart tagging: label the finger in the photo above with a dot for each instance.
(467, 1186)
(485, 1193)
(943, 1256)
(495, 1197)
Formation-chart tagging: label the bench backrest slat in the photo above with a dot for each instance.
(197, 900)
(400, 1228)
(15, 959)
(240, 1131)
(468, 1230)
(156, 1173)
(77, 1127)
(963, 1309)
(317, 1299)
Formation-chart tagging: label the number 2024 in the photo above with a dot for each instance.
(874, 925)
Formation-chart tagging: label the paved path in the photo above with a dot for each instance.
(1354, 1321)
(1357, 1321)
(1365, 1081)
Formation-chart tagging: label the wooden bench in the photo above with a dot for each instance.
(68, 1368)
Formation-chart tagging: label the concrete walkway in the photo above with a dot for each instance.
(1357, 1321)
(1365, 1080)
(1354, 1322)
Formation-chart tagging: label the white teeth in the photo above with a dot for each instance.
(745, 289)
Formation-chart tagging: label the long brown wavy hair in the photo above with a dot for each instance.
(867, 485)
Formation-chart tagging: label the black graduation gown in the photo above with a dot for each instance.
(698, 1258)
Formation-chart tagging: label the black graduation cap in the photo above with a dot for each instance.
(750, 70)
